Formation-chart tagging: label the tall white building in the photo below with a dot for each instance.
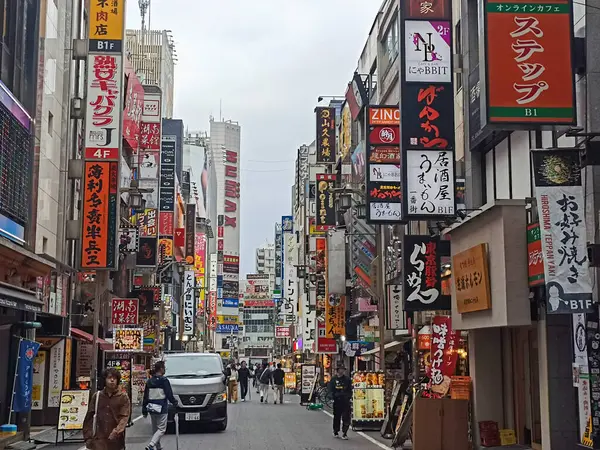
(223, 211)
(152, 53)
(195, 161)
(265, 259)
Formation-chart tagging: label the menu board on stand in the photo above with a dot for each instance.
(368, 400)
(307, 382)
(71, 413)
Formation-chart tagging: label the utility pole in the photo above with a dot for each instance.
(100, 283)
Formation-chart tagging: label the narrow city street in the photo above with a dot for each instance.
(256, 426)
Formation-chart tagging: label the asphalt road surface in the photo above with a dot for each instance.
(256, 426)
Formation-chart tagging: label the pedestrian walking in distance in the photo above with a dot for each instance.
(107, 416)
(340, 387)
(257, 373)
(232, 383)
(279, 383)
(244, 377)
(157, 394)
(266, 380)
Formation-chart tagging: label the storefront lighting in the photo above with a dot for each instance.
(343, 338)
(344, 201)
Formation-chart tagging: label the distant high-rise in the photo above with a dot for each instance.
(223, 211)
(152, 54)
(265, 259)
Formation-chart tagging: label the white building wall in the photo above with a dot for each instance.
(52, 141)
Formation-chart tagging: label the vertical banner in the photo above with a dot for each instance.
(99, 215)
(395, 318)
(427, 105)
(535, 258)
(103, 136)
(39, 380)
(150, 148)
(384, 175)
(441, 328)
(190, 233)
(325, 218)
(166, 201)
(289, 307)
(24, 382)
(200, 270)
(189, 310)
(335, 316)
(561, 208)
(326, 135)
(529, 58)
(422, 274)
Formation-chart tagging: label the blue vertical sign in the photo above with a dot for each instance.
(24, 376)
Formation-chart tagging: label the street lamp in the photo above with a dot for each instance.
(344, 201)
(361, 211)
(301, 272)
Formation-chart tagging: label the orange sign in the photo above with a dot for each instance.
(166, 246)
(529, 62)
(99, 215)
(384, 115)
(335, 316)
(470, 272)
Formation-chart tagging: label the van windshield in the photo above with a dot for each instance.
(193, 366)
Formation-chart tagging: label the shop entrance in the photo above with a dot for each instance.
(527, 386)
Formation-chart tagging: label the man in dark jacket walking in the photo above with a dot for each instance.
(244, 378)
(340, 388)
(157, 395)
(279, 382)
(266, 380)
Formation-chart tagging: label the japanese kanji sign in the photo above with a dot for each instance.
(125, 311)
(422, 274)
(561, 208)
(107, 25)
(103, 107)
(440, 334)
(470, 272)
(429, 184)
(99, 215)
(289, 304)
(427, 9)
(188, 307)
(326, 135)
(529, 62)
(335, 316)
(384, 170)
(395, 318)
(190, 233)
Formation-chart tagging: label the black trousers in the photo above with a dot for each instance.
(244, 387)
(341, 411)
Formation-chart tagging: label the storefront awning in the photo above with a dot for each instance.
(388, 346)
(18, 298)
(80, 334)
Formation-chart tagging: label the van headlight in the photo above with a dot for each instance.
(222, 397)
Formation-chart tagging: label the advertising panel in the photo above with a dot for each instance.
(422, 274)
(188, 307)
(383, 169)
(134, 105)
(99, 215)
(148, 222)
(427, 9)
(530, 77)
(106, 26)
(470, 272)
(146, 255)
(166, 201)
(428, 51)
(395, 319)
(231, 216)
(430, 190)
(335, 316)
(103, 111)
(325, 218)
(289, 304)
(190, 233)
(561, 207)
(325, 345)
(535, 256)
(125, 311)
(129, 339)
(326, 135)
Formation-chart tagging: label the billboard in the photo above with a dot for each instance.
(325, 211)
(231, 207)
(326, 135)
(188, 307)
(289, 308)
(529, 54)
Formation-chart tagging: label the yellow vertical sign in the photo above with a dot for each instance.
(587, 436)
(107, 25)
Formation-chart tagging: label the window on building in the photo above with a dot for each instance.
(50, 122)
(458, 52)
(390, 44)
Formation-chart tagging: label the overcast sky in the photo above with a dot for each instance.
(268, 61)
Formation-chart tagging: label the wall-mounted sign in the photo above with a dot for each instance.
(325, 218)
(189, 306)
(326, 135)
(125, 311)
(530, 77)
(470, 272)
(428, 51)
(129, 339)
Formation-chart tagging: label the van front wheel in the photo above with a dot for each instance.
(222, 426)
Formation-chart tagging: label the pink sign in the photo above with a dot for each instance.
(364, 305)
